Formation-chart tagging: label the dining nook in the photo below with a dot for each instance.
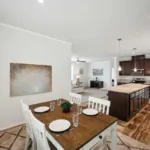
(83, 127)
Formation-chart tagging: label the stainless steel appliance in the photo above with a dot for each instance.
(139, 72)
(138, 80)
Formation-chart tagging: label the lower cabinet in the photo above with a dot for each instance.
(96, 84)
(124, 106)
(131, 106)
(136, 103)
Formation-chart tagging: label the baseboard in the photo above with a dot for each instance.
(11, 126)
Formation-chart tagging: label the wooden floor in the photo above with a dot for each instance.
(138, 127)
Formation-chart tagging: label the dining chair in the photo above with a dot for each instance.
(39, 133)
(102, 106)
(99, 104)
(29, 130)
(75, 98)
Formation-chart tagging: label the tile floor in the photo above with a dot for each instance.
(14, 139)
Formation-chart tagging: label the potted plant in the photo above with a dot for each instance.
(66, 106)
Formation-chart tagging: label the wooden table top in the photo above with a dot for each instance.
(89, 126)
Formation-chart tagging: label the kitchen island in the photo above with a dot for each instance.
(128, 99)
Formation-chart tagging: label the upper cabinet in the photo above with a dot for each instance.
(126, 68)
(147, 67)
(139, 61)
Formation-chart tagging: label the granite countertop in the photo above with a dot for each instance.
(147, 83)
(128, 88)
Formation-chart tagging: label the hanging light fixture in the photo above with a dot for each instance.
(135, 69)
(119, 68)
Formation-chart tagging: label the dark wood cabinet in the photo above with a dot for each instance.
(126, 68)
(96, 84)
(147, 67)
(131, 107)
(124, 106)
(139, 61)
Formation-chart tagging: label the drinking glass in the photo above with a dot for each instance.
(59, 102)
(52, 106)
(79, 109)
(75, 119)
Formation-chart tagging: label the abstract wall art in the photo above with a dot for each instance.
(97, 72)
(27, 79)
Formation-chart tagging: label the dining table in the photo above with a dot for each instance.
(89, 132)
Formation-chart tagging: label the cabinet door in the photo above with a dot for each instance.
(143, 98)
(126, 67)
(122, 67)
(147, 67)
(139, 60)
(135, 104)
(146, 96)
(131, 106)
(140, 101)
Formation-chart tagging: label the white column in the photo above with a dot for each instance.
(115, 70)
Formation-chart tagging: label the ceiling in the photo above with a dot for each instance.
(93, 26)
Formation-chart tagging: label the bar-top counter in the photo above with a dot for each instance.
(128, 88)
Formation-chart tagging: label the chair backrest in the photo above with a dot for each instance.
(26, 114)
(75, 98)
(99, 104)
(39, 133)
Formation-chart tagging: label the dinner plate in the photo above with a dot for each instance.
(90, 112)
(41, 109)
(59, 125)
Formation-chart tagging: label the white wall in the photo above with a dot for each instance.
(76, 68)
(20, 46)
(107, 75)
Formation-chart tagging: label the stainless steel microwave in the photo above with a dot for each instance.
(139, 72)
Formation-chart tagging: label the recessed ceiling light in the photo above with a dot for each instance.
(41, 1)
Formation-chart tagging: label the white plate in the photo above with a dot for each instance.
(90, 112)
(59, 125)
(41, 109)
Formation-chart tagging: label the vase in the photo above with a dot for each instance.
(66, 109)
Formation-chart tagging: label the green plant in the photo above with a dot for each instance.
(66, 105)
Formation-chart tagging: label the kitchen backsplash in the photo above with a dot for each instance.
(129, 78)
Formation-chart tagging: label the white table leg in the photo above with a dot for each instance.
(114, 137)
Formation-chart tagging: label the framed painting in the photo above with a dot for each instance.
(27, 79)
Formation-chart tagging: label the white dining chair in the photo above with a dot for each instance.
(99, 104)
(39, 133)
(102, 106)
(75, 98)
(29, 130)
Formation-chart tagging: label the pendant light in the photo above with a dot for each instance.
(135, 69)
(119, 68)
